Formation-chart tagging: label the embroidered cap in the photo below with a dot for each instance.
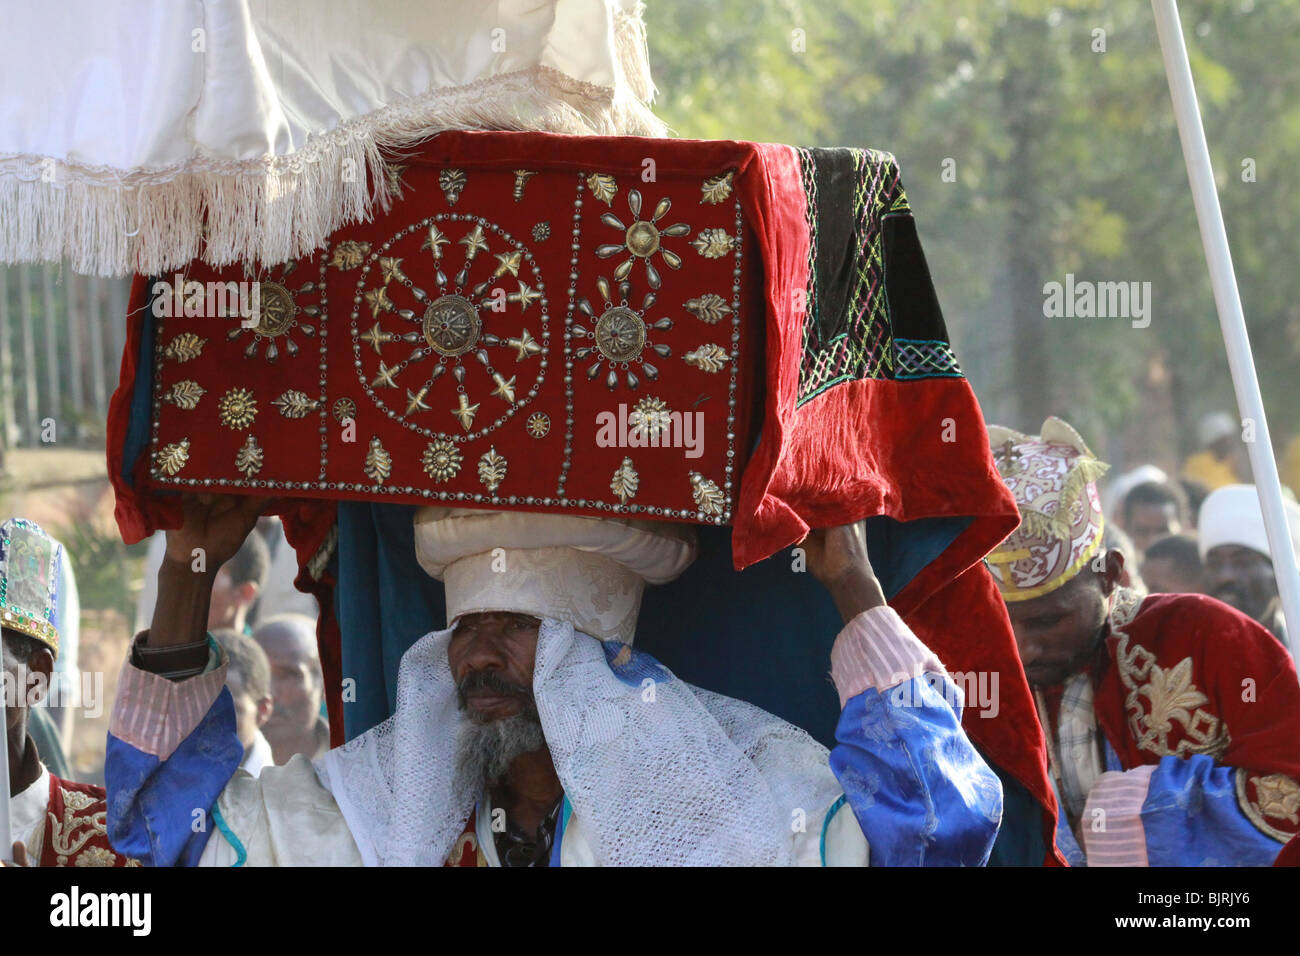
(1053, 477)
(29, 581)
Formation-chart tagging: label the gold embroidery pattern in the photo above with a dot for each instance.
(69, 835)
(1277, 796)
(96, 856)
(1174, 700)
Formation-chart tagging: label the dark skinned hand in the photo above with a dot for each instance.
(837, 557)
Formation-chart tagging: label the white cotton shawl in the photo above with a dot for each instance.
(659, 772)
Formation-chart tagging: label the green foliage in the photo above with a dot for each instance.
(1067, 160)
(103, 565)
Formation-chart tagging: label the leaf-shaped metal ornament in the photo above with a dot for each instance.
(625, 481)
(716, 188)
(249, 457)
(379, 464)
(491, 469)
(185, 394)
(708, 357)
(713, 243)
(172, 458)
(184, 347)
(452, 182)
(603, 187)
(349, 254)
(295, 404)
(710, 308)
(708, 499)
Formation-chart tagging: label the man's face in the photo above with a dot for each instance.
(25, 682)
(226, 600)
(1162, 576)
(296, 685)
(1148, 523)
(1242, 577)
(1057, 633)
(250, 713)
(492, 657)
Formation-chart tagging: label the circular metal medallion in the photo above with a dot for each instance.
(620, 334)
(452, 325)
(275, 309)
(642, 239)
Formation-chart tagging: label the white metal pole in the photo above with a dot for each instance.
(6, 837)
(1214, 238)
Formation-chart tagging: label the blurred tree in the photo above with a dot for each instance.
(1057, 121)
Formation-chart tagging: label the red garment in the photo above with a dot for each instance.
(1190, 675)
(833, 423)
(74, 833)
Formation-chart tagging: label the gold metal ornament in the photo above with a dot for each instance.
(390, 269)
(238, 408)
(184, 347)
(185, 394)
(491, 469)
(539, 424)
(713, 243)
(715, 189)
(708, 357)
(295, 404)
(464, 411)
(434, 241)
(709, 308)
(379, 464)
(651, 417)
(378, 301)
(249, 457)
(625, 481)
(385, 377)
(172, 458)
(452, 182)
(505, 389)
(541, 232)
(349, 254)
(393, 174)
(345, 408)
(521, 179)
(452, 325)
(708, 499)
(525, 345)
(441, 460)
(603, 187)
(643, 239)
(620, 334)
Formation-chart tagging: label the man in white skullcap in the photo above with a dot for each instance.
(1238, 560)
(529, 732)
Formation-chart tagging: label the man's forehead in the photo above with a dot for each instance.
(1236, 553)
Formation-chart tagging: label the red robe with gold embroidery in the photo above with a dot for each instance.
(74, 833)
(1201, 708)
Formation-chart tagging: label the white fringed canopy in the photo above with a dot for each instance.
(132, 129)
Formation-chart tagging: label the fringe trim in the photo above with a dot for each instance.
(108, 222)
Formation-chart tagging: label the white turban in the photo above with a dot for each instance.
(587, 571)
(1232, 515)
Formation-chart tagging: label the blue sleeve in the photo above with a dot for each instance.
(1191, 817)
(152, 802)
(921, 793)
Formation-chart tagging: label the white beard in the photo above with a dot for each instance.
(486, 751)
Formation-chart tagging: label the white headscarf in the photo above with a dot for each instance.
(659, 773)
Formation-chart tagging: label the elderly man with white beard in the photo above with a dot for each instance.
(531, 733)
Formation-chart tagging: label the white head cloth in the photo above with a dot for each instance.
(686, 777)
(587, 571)
(155, 130)
(1232, 515)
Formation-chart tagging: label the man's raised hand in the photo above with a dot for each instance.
(837, 557)
(218, 524)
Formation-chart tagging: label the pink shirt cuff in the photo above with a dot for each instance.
(154, 714)
(1112, 818)
(877, 650)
